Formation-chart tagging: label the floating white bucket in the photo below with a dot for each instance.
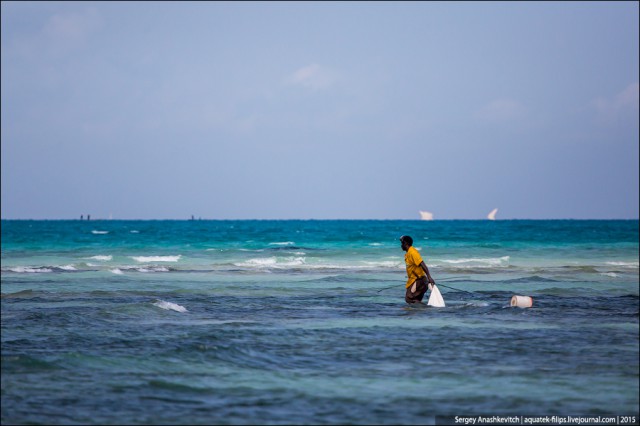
(522, 301)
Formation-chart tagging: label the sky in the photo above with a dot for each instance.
(319, 110)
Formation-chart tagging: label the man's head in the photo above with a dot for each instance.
(406, 242)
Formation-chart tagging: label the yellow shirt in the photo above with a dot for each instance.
(413, 260)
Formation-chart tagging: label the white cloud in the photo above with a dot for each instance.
(619, 106)
(313, 77)
(500, 110)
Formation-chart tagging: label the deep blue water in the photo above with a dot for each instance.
(304, 322)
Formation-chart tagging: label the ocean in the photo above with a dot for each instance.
(304, 322)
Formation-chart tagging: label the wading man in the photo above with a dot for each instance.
(417, 272)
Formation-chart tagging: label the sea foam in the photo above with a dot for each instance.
(101, 257)
(479, 262)
(68, 268)
(28, 270)
(272, 262)
(624, 264)
(156, 258)
(169, 306)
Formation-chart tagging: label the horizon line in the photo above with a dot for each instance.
(304, 219)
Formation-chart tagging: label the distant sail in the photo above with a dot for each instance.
(426, 215)
(492, 214)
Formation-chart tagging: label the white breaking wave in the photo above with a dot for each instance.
(99, 232)
(170, 306)
(100, 257)
(479, 262)
(283, 243)
(143, 259)
(28, 270)
(142, 268)
(272, 262)
(68, 268)
(155, 269)
(624, 264)
(385, 264)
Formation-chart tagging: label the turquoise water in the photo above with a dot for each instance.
(304, 322)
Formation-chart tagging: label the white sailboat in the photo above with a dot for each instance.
(426, 215)
(492, 214)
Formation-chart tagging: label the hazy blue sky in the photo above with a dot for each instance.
(320, 110)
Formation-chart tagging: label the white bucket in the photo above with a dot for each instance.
(522, 301)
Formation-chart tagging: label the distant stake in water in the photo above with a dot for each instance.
(522, 301)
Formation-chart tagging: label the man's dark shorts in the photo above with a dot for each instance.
(417, 295)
